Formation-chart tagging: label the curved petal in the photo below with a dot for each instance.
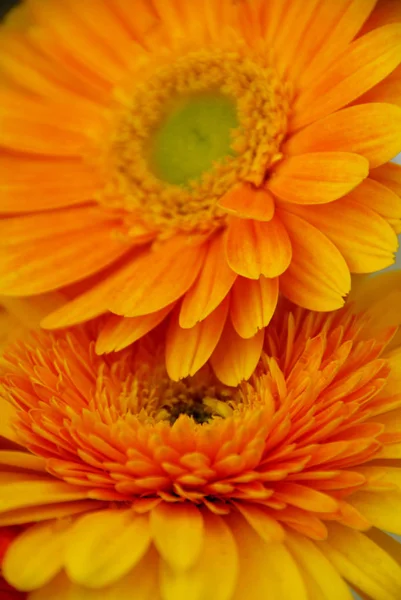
(253, 304)
(36, 556)
(187, 350)
(364, 238)
(254, 248)
(119, 332)
(159, 277)
(178, 533)
(364, 564)
(388, 175)
(210, 288)
(388, 90)
(347, 131)
(248, 202)
(318, 277)
(381, 509)
(380, 198)
(318, 177)
(235, 358)
(366, 62)
(263, 524)
(92, 562)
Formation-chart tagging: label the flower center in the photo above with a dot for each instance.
(194, 126)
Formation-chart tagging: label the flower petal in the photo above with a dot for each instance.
(210, 288)
(178, 533)
(254, 248)
(388, 175)
(158, 278)
(319, 573)
(32, 493)
(364, 238)
(318, 277)
(187, 350)
(264, 525)
(363, 563)
(380, 198)
(267, 570)
(235, 358)
(371, 130)
(248, 202)
(104, 546)
(381, 509)
(318, 177)
(253, 304)
(36, 556)
(119, 332)
(215, 573)
(366, 62)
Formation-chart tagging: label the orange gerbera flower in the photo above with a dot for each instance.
(128, 481)
(189, 160)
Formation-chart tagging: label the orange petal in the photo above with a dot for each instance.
(254, 248)
(158, 277)
(378, 197)
(119, 332)
(187, 350)
(381, 510)
(332, 28)
(268, 528)
(389, 175)
(178, 533)
(386, 11)
(388, 90)
(306, 498)
(42, 184)
(235, 358)
(22, 460)
(248, 202)
(346, 131)
(210, 288)
(364, 238)
(318, 177)
(318, 277)
(32, 493)
(253, 304)
(366, 62)
(50, 263)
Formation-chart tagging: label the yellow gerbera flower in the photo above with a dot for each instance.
(127, 482)
(190, 160)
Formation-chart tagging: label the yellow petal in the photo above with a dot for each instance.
(268, 528)
(318, 177)
(346, 131)
(318, 572)
(36, 556)
(215, 573)
(178, 533)
(32, 493)
(235, 358)
(104, 546)
(253, 304)
(382, 509)
(318, 277)
(267, 570)
(187, 350)
(364, 564)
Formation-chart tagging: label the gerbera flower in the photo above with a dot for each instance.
(190, 160)
(125, 480)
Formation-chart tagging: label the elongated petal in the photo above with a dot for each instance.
(367, 61)
(158, 278)
(249, 203)
(31, 493)
(187, 350)
(378, 197)
(25, 272)
(36, 556)
(264, 525)
(235, 358)
(254, 248)
(388, 175)
(318, 177)
(215, 573)
(268, 564)
(210, 288)
(178, 533)
(382, 509)
(362, 562)
(364, 238)
(119, 332)
(371, 130)
(318, 277)
(104, 546)
(318, 572)
(58, 510)
(253, 304)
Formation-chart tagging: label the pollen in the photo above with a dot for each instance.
(191, 130)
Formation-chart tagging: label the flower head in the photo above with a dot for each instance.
(123, 478)
(187, 161)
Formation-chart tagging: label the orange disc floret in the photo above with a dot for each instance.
(171, 162)
(188, 480)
